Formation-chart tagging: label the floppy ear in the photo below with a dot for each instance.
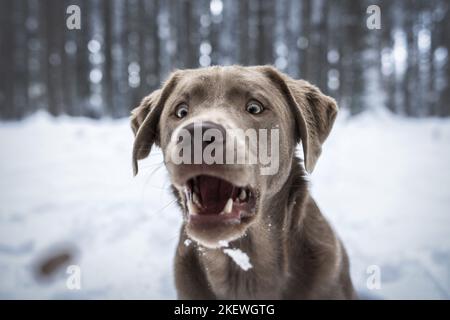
(139, 113)
(145, 120)
(314, 113)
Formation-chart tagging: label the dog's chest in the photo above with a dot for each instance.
(228, 280)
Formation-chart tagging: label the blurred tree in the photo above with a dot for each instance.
(126, 48)
(442, 59)
(6, 60)
(353, 81)
(243, 24)
(82, 63)
(108, 59)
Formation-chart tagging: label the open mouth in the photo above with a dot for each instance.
(215, 200)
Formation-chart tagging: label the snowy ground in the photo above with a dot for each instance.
(383, 182)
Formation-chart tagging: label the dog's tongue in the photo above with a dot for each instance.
(214, 193)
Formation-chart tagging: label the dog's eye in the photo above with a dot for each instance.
(254, 107)
(182, 110)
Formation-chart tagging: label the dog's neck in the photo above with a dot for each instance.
(265, 244)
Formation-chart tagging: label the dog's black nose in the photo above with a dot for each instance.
(206, 132)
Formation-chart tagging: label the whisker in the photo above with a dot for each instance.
(150, 174)
(155, 155)
(175, 236)
(164, 208)
(150, 165)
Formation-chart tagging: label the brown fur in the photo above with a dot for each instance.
(294, 252)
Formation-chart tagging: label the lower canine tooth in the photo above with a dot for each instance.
(195, 199)
(242, 195)
(191, 208)
(229, 206)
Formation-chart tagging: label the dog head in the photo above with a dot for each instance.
(228, 136)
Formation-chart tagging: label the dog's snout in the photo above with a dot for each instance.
(208, 132)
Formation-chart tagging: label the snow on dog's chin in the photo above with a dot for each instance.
(214, 244)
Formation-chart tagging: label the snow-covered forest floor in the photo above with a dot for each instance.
(383, 182)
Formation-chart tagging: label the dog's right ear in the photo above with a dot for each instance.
(139, 113)
(145, 120)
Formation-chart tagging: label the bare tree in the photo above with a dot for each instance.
(127, 47)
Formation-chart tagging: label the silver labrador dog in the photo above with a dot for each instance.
(292, 250)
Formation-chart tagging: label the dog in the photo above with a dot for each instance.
(271, 219)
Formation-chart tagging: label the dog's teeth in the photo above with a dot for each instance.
(195, 199)
(243, 194)
(229, 206)
(191, 208)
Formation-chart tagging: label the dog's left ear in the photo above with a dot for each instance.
(145, 120)
(314, 113)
